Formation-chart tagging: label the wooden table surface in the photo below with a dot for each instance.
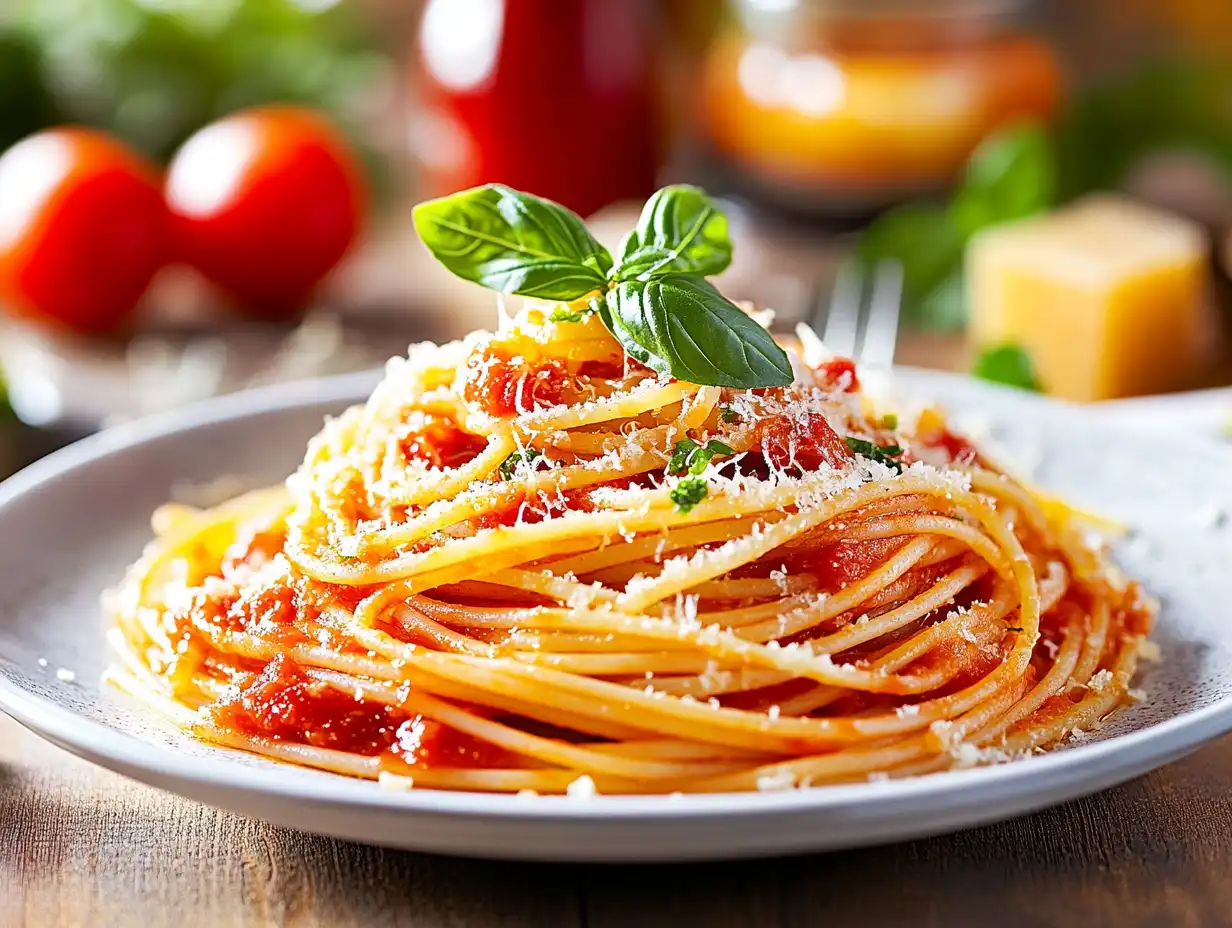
(81, 846)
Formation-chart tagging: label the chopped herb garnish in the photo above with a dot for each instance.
(727, 414)
(509, 467)
(560, 314)
(883, 454)
(688, 455)
(688, 493)
(889, 422)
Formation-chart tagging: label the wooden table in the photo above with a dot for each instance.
(80, 846)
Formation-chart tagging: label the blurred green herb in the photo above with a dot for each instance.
(1009, 365)
(1010, 176)
(153, 73)
(1026, 169)
(26, 104)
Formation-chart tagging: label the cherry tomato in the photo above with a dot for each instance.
(83, 228)
(265, 203)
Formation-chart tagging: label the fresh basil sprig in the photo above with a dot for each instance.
(656, 300)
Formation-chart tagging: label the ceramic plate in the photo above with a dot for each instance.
(72, 522)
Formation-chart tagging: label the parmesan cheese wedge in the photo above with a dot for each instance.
(1106, 296)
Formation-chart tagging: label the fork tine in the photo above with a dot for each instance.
(843, 318)
(881, 327)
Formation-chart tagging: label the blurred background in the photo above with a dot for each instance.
(1054, 179)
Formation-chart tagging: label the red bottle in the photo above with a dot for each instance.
(555, 97)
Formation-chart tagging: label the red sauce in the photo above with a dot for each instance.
(839, 374)
(254, 546)
(840, 563)
(959, 449)
(502, 384)
(284, 704)
(438, 441)
(805, 443)
(425, 742)
(540, 507)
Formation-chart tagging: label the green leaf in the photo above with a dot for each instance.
(1011, 175)
(512, 464)
(513, 242)
(884, 454)
(688, 493)
(680, 229)
(689, 455)
(679, 324)
(1009, 365)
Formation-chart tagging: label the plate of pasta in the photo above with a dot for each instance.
(625, 578)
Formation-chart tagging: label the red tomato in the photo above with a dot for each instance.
(265, 203)
(83, 228)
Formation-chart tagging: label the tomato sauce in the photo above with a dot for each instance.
(957, 448)
(438, 441)
(283, 703)
(806, 442)
(535, 508)
(839, 374)
(839, 564)
(503, 384)
(428, 743)
(254, 546)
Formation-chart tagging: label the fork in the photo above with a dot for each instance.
(861, 316)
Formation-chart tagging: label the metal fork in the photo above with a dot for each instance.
(861, 316)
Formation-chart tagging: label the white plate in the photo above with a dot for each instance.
(72, 522)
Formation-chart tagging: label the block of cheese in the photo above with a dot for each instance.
(1106, 296)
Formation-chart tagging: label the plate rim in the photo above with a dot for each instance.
(118, 750)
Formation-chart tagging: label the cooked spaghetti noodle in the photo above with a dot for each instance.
(528, 563)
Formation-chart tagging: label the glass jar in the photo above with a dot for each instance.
(560, 98)
(848, 105)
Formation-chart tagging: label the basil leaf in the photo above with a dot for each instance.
(680, 229)
(1009, 365)
(513, 242)
(688, 493)
(1011, 175)
(884, 454)
(679, 324)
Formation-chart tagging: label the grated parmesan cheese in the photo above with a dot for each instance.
(581, 788)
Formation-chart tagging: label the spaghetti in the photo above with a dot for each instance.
(528, 562)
